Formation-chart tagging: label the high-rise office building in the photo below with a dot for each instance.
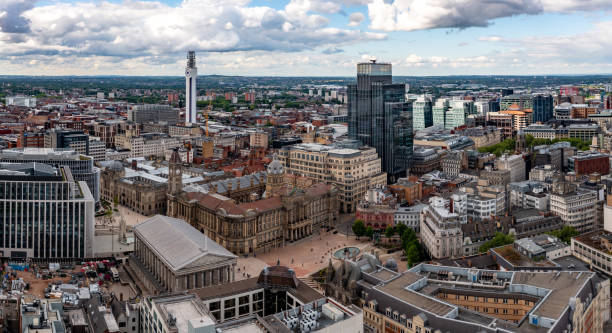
(542, 106)
(191, 73)
(81, 166)
(380, 117)
(422, 113)
(439, 112)
(45, 213)
(145, 113)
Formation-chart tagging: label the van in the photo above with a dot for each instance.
(114, 273)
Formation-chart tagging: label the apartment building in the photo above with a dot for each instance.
(352, 171)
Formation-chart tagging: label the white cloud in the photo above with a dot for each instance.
(410, 15)
(493, 39)
(355, 19)
(136, 28)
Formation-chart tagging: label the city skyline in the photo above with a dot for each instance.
(304, 37)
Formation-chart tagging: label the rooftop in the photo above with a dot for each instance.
(179, 244)
(414, 292)
(599, 240)
(42, 153)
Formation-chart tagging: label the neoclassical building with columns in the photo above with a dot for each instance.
(170, 255)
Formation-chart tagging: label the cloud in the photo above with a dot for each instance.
(11, 19)
(355, 19)
(131, 29)
(332, 50)
(410, 15)
(493, 39)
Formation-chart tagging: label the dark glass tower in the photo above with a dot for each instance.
(542, 106)
(380, 117)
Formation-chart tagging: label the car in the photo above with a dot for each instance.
(571, 266)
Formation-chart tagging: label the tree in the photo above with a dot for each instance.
(413, 254)
(359, 228)
(369, 232)
(390, 231)
(565, 234)
(498, 240)
(400, 228)
(408, 237)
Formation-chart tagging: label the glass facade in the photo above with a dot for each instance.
(47, 218)
(542, 108)
(380, 117)
(422, 114)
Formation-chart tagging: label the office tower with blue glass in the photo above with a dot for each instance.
(543, 108)
(380, 117)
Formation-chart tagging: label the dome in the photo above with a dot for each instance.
(275, 167)
(116, 166)
(391, 264)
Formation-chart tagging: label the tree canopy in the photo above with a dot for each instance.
(498, 240)
(530, 141)
(506, 146)
(359, 228)
(565, 234)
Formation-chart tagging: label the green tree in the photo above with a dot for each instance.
(409, 237)
(359, 228)
(369, 232)
(565, 234)
(413, 254)
(390, 231)
(506, 146)
(498, 240)
(400, 228)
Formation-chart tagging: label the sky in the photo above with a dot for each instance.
(305, 37)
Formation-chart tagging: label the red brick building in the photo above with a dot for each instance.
(378, 217)
(589, 163)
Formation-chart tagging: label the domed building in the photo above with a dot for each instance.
(288, 210)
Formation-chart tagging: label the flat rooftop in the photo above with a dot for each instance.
(42, 153)
(551, 291)
(184, 309)
(562, 286)
(514, 257)
(397, 288)
(595, 239)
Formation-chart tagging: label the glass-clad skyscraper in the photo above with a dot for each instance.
(422, 113)
(380, 117)
(542, 106)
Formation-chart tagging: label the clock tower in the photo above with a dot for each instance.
(175, 182)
